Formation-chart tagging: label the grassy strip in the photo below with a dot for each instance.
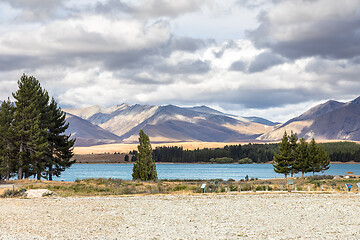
(107, 187)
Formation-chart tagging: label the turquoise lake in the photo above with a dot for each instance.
(191, 171)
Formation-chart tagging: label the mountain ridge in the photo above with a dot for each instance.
(331, 120)
(170, 123)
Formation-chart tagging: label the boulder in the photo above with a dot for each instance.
(37, 193)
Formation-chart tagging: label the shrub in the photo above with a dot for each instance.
(179, 187)
(320, 177)
(222, 160)
(15, 193)
(245, 161)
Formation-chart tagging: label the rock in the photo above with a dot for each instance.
(37, 193)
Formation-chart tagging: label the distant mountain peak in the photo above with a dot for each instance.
(331, 120)
(355, 101)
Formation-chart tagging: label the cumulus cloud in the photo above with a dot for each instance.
(302, 28)
(238, 66)
(264, 61)
(107, 52)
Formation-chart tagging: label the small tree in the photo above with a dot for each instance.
(144, 168)
(282, 162)
(126, 158)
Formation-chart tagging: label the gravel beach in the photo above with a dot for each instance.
(229, 216)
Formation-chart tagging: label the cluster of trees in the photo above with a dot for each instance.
(299, 156)
(32, 134)
(144, 168)
(258, 153)
(342, 151)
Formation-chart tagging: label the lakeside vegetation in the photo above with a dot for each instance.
(118, 187)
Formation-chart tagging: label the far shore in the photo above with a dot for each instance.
(127, 147)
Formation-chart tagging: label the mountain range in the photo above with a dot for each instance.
(121, 124)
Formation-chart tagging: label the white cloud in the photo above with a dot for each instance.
(159, 52)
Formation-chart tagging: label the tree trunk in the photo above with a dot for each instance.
(7, 175)
(50, 172)
(27, 174)
(38, 176)
(302, 174)
(313, 173)
(20, 172)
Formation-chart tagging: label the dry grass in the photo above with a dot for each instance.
(126, 148)
(114, 187)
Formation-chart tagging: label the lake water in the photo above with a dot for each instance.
(191, 171)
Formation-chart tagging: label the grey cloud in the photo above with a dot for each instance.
(238, 66)
(264, 61)
(328, 37)
(229, 45)
(186, 67)
(38, 10)
(187, 44)
(155, 8)
(113, 6)
(263, 98)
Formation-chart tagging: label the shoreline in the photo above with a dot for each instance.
(352, 162)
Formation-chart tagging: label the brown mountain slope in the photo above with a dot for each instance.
(329, 121)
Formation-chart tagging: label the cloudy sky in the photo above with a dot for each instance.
(269, 58)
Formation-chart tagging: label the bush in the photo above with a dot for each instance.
(320, 177)
(245, 161)
(179, 187)
(222, 160)
(15, 193)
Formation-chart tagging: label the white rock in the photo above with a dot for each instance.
(37, 193)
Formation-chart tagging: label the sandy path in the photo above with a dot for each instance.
(255, 216)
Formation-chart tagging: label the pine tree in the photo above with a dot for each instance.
(144, 168)
(301, 159)
(7, 144)
(314, 163)
(60, 145)
(31, 138)
(44, 150)
(293, 145)
(282, 162)
(324, 160)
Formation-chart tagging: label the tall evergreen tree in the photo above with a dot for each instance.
(44, 150)
(144, 168)
(7, 146)
(292, 138)
(31, 137)
(302, 155)
(282, 162)
(324, 160)
(314, 163)
(60, 145)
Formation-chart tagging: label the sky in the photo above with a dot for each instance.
(268, 58)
